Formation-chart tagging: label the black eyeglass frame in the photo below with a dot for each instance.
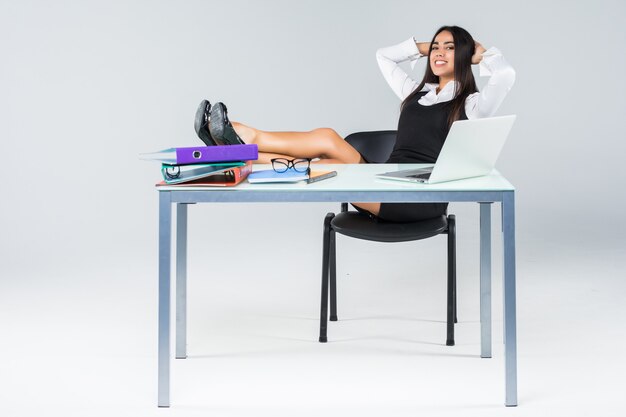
(290, 163)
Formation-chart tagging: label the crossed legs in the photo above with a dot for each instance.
(322, 143)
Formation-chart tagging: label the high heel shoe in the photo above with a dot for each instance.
(220, 127)
(201, 123)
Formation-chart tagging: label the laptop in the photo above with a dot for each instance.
(470, 150)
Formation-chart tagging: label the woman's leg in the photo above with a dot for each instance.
(266, 157)
(373, 208)
(410, 212)
(404, 212)
(323, 143)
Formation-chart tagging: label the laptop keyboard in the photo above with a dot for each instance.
(424, 176)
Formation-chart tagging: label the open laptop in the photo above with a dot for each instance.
(470, 150)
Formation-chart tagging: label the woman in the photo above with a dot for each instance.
(447, 93)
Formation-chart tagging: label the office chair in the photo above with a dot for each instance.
(376, 147)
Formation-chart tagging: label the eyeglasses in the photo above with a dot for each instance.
(298, 165)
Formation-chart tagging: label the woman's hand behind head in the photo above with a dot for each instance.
(478, 53)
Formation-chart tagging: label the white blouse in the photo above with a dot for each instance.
(477, 105)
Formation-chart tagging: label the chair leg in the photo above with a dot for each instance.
(333, 276)
(454, 294)
(451, 319)
(325, 269)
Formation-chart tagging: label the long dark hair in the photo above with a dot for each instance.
(463, 51)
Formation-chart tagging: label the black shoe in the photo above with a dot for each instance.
(221, 130)
(201, 124)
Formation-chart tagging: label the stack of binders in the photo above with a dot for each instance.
(217, 166)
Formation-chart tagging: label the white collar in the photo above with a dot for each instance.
(446, 94)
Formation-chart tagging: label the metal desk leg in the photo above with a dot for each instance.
(510, 327)
(485, 280)
(181, 281)
(165, 239)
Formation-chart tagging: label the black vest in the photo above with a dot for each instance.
(422, 130)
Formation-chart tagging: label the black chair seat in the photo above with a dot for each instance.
(361, 226)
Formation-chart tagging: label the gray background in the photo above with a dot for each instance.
(86, 86)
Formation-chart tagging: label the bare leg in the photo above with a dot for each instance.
(266, 157)
(373, 208)
(321, 143)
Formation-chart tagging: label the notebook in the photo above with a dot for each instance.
(269, 175)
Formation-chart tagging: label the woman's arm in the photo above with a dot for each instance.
(388, 59)
(423, 48)
(502, 77)
(479, 50)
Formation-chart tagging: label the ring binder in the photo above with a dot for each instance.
(173, 175)
(228, 178)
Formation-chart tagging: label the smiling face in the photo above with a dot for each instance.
(442, 55)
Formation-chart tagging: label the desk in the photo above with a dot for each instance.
(353, 183)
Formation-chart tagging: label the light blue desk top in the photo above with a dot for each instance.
(362, 177)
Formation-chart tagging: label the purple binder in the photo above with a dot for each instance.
(204, 154)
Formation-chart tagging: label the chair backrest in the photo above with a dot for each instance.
(375, 146)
